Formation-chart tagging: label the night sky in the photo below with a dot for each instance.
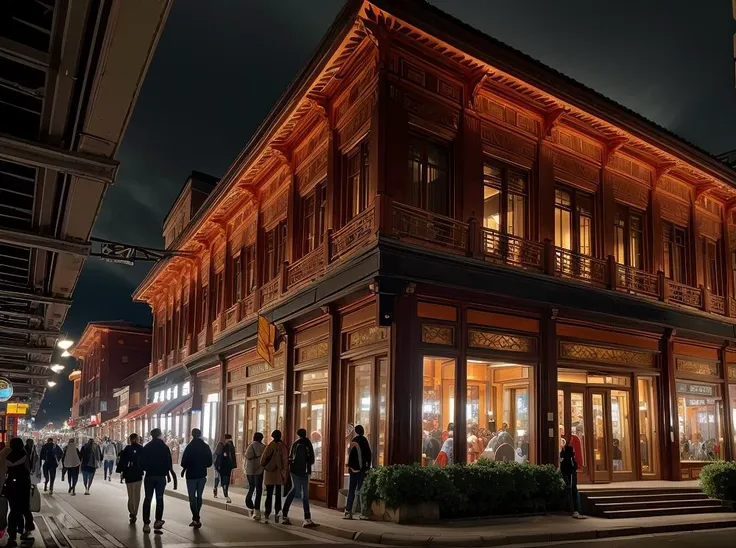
(221, 65)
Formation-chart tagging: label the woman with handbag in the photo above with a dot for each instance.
(275, 462)
(17, 489)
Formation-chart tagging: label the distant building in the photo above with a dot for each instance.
(131, 398)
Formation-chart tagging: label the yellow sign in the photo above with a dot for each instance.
(266, 339)
(16, 409)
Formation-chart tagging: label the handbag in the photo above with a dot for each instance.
(35, 499)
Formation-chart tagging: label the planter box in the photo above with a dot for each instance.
(406, 513)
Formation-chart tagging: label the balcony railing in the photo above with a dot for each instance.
(216, 326)
(580, 267)
(184, 351)
(354, 234)
(509, 249)
(249, 306)
(716, 304)
(307, 268)
(637, 281)
(411, 222)
(270, 291)
(202, 339)
(232, 315)
(684, 294)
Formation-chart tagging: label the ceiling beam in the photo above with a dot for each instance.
(26, 349)
(34, 298)
(21, 373)
(23, 363)
(26, 54)
(21, 315)
(102, 170)
(29, 331)
(47, 243)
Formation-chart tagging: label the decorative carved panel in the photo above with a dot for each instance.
(507, 141)
(432, 112)
(307, 148)
(711, 206)
(429, 80)
(279, 360)
(313, 351)
(361, 117)
(675, 187)
(628, 191)
(493, 109)
(365, 337)
(699, 368)
(707, 225)
(732, 373)
(501, 341)
(274, 184)
(312, 172)
(275, 210)
(258, 369)
(361, 84)
(630, 167)
(570, 164)
(438, 334)
(616, 356)
(674, 210)
(577, 144)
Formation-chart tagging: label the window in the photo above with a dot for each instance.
(218, 294)
(314, 211)
(504, 199)
(675, 253)
(186, 387)
(712, 266)
(700, 417)
(203, 309)
(438, 409)
(574, 221)
(169, 342)
(356, 176)
(250, 269)
(629, 237)
(237, 272)
(312, 407)
(275, 251)
(429, 176)
(160, 340)
(184, 324)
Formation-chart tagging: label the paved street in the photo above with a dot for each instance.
(723, 538)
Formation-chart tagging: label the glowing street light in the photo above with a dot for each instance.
(57, 368)
(65, 344)
(65, 354)
(50, 384)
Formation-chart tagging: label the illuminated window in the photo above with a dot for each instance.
(629, 237)
(250, 269)
(314, 211)
(429, 175)
(312, 409)
(275, 251)
(356, 176)
(700, 416)
(504, 199)
(675, 252)
(574, 221)
(186, 387)
(237, 273)
(438, 410)
(712, 266)
(203, 308)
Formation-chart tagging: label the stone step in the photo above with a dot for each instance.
(645, 498)
(635, 505)
(651, 512)
(632, 492)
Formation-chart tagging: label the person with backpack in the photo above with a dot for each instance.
(195, 461)
(71, 459)
(50, 456)
(569, 470)
(254, 473)
(131, 472)
(225, 463)
(275, 462)
(301, 460)
(359, 462)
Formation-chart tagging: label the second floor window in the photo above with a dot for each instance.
(203, 308)
(218, 295)
(429, 176)
(628, 236)
(314, 215)
(675, 253)
(160, 343)
(356, 177)
(504, 199)
(237, 289)
(250, 269)
(574, 221)
(275, 251)
(184, 324)
(712, 267)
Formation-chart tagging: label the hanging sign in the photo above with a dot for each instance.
(6, 390)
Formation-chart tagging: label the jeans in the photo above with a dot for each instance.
(49, 474)
(571, 480)
(225, 482)
(270, 491)
(356, 482)
(134, 497)
(195, 488)
(20, 518)
(153, 484)
(88, 474)
(300, 484)
(255, 483)
(109, 467)
(72, 475)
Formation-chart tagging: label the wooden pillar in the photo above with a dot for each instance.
(228, 275)
(258, 250)
(696, 246)
(545, 192)
(670, 430)
(194, 298)
(292, 219)
(289, 380)
(335, 436)
(608, 203)
(656, 239)
(222, 418)
(546, 393)
(211, 296)
(334, 180)
(727, 451)
(471, 166)
(461, 392)
(379, 144)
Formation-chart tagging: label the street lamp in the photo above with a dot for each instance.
(50, 384)
(57, 368)
(65, 344)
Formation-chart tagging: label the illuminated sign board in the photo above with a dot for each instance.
(694, 389)
(6, 390)
(17, 409)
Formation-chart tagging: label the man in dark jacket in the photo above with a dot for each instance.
(130, 470)
(301, 460)
(158, 466)
(225, 463)
(196, 460)
(359, 462)
(50, 456)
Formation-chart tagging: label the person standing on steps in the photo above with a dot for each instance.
(91, 458)
(275, 462)
(254, 473)
(129, 468)
(157, 464)
(195, 461)
(71, 459)
(569, 470)
(109, 455)
(301, 460)
(225, 463)
(359, 462)
(50, 455)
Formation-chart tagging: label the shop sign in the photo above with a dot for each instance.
(696, 389)
(6, 390)
(17, 409)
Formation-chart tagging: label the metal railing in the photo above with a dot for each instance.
(411, 222)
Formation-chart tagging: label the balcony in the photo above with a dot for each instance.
(202, 340)
(637, 282)
(353, 235)
(511, 250)
(232, 315)
(582, 268)
(270, 291)
(306, 269)
(413, 224)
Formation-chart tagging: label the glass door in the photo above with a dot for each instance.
(648, 436)
(574, 426)
(599, 414)
(622, 442)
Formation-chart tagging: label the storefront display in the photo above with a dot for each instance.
(438, 411)
(700, 418)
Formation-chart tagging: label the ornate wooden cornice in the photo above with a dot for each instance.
(611, 146)
(550, 120)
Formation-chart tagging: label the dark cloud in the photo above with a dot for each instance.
(221, 65)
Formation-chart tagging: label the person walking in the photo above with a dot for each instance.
(50, 455)
(217, 451)
(301, 459)
(275, 462)
(157, 464)
(569, 470)
(225, 463)
(359, 462)
(17, 490)
(130, 470)
(91, 457)
(71, 459)
(195, 461)
(109, 455)
(33, 462)
(254, 474)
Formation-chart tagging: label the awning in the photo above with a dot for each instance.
(174, 405)
(141, 411)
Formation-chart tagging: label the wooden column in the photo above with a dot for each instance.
(608, 203)
(471, 153)
(725, 243)
(194, 298)
(545, 192)
(289, 407)
(334, 188)
(461, 391)
(228, 275)
(210, 297)
(335, 436)
(696, 246)
(292, 218)
(258, 250)
(222, 419)
(656, 239)
(727, 451)
(380, 137)
(670, 430)
(546, 393)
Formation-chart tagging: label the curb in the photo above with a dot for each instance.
(481, 541)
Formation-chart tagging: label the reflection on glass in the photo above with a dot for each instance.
(599, 434)
(577, 429)
(647, 425)
(701, 431)
(561, 418)
(312, 406)
(362, 397)
(437, 410)
(382, 394)
(732, 396)
(621, 430)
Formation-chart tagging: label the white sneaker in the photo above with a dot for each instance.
(308, 523)
(361, 517)
(576, 515)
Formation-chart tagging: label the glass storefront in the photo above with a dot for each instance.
(648, 437)
(732, 398)
(438, 411)
(368, 384)
(700, 418)
(312, 407)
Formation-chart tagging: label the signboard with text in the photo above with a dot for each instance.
(6, 390)
(695, 389)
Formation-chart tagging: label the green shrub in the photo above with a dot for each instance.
(481, 489)
(718, 480)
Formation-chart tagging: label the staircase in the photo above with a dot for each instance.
(639, 503)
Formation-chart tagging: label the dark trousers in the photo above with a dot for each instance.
(72, 475)
(354, 486)
(299, 486)
(49, 474)
(195, 488)
(225, 483)
(573, 498)
(109, 467)
(255, 484)
(273, 491)
(88, 475)
(20, 518)
(153, 484)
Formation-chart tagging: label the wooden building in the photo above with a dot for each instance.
(447, 231)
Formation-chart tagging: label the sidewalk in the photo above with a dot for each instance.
(475, 532)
